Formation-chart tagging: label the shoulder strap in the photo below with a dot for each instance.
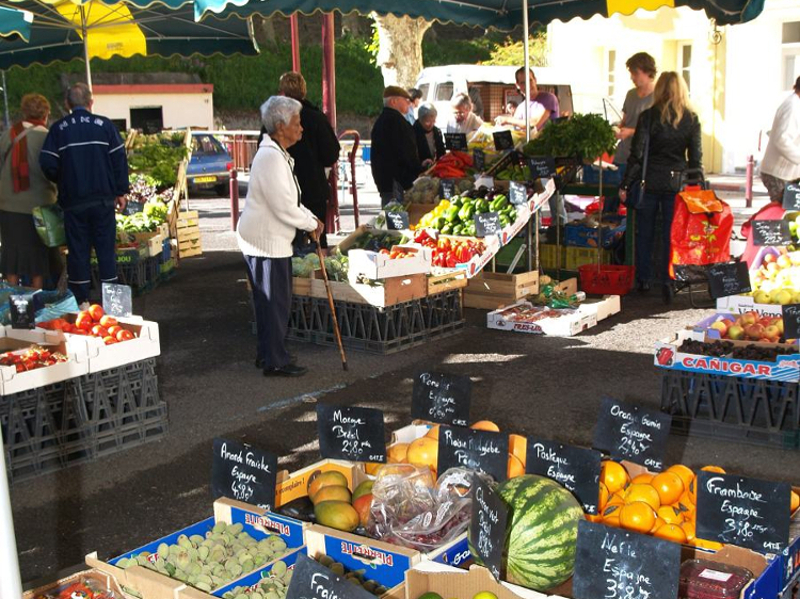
(16, 140)
(647, 144)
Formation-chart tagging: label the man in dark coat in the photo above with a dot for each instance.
(316, 151)
(395, 162)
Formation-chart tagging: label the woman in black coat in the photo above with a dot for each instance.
(430, 142)
(675, 145)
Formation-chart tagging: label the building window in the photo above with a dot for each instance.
(790, 54)
(444, 92)
(611, 68)
(685, 63)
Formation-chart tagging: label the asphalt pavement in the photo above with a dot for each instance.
(527, 384)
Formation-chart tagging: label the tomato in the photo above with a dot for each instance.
(124, 335)
(109, 340)
(84, 321)
(77, 331)
(113, 330)
(96, 312)
(99, 331)
(108, 321)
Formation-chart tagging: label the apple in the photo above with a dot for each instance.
(773, 333)
(796, 297)
(779, 323)
(768, 258)
(784, 261)
(720, 326)
(784, 297)
(735, 332)
(765, 321)
(754, 331)
(749, 318)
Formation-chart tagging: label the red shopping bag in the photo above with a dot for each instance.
(701, 229)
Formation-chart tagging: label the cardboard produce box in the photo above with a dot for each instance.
(295, 485)
(154, 585)
(559, 323)
(12, 381)
(394, 290)
(461, 584)
(375, 265)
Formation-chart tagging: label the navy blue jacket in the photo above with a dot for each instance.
(85, 155)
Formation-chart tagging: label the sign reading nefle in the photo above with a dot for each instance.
(747, 512)
(615, 564)
(348, 433)
(311, 580)
(442, 398)
(244, 473)
(117, 300)
(488, 526)
(576, 468)
(628, 432)
(483, 451)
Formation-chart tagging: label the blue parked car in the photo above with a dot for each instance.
(210, 166)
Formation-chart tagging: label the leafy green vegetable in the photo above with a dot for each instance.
(585, 135)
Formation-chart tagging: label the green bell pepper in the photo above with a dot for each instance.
(447, 229)
(451, 214)
(466, 212)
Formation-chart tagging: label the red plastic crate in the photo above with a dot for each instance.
(606, 279)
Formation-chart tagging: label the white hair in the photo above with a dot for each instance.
(461, 100)
(388, 100)
(278, 110)
(425, 110)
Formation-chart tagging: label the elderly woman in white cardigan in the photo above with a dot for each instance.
(781, 164)
(268, 224)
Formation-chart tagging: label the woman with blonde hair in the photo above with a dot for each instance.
(24, 187)
(667, 142)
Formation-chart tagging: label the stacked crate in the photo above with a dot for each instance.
(188, 234)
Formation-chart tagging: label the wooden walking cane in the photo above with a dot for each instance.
(338, 333)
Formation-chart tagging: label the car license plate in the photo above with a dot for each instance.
(204, 179)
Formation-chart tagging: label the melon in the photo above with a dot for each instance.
(542, 531)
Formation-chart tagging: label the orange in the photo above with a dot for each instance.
(611, 511)
(692, 491)
(424, 452)
(795, 502)
(686, 473)
(669, 486)
(671, 532)
(704, 544)
(637, 516)
(686, 502)
(602, 496)
(658, 524)
(613, 476)
(645, 493)
(716, 469)
(371, 468)
(642, 479)
(594, 518)
(397, 453)
(612, 521)
(670, 514)
(486, 425)
(518, 445)
(614, 501)
(689, 531)
(433, 432)
(515, 467)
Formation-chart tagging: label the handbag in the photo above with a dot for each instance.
(636, 195)
(49, 223)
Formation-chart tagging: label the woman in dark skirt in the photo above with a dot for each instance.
(23, 187)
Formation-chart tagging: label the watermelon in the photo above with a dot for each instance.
(542, 531)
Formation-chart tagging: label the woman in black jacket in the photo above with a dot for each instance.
(430, 142)
(675, 145)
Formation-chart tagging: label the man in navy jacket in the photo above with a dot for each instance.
(85, 155)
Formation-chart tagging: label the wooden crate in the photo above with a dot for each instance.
(301, 286)
(394, 290)
(490, 290)
(446, 282)
(188, 234)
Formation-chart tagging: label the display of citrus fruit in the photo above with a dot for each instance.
(642, 479)
(795, 502)
(705, 544)
(669, 486)
(686, 473)
(397, 453)
(515, 467)
(613, 476)
(637, 516)
(602, 496)
(643, 493)
(485, 425)
(658, 524)
(670, 514)
(423, 452)
(671, 532)
(518, 445)
(689, 530)
(716, 469)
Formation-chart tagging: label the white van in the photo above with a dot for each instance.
(490, 88)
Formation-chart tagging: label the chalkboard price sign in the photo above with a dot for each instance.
(503, 140)
(517, 193)
(611, 563)
(397, 220)
(23, 311)
(576, 468)
(478, 159)
(117, 300)
(456, 141)
(791, 321)
(747, 512)
(726, 279)
(488, 526)
(442, 398)
(448, 188)
(771, 232)
(487, 224)
(483, 451)
(132, 207)
(311, 580)
(628, 432)
(791, 196)
(350, 433)
(244, 473)
(542, 167)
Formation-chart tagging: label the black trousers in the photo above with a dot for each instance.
(91, 227)
(271, 280)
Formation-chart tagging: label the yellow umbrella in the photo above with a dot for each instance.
(107, 29)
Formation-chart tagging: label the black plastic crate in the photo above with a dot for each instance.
(141, 276)
(736, 408)
(377, 330)
(81, 419)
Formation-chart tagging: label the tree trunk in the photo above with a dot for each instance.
(265, 31)
(400, 54)
(353, 24)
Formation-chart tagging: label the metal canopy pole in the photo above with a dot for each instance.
(295, 28)
(10, 583)
(526, 54)
(84, 33)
